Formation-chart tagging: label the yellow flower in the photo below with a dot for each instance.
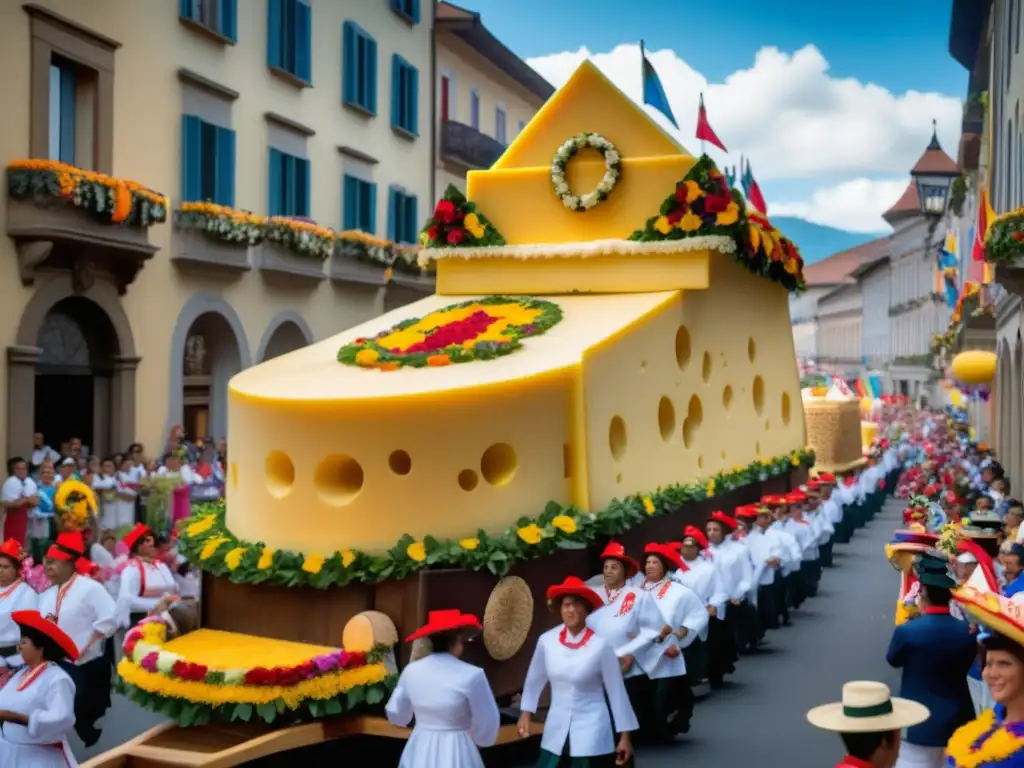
(791, 266)
(266, 559)
(233, 559)
(416, 551)
(473, 225)
(693, 191)
(795, 460)
(564, 523)
(201, 526)
(662, 225)
(730, 215)
(690, 222)
(711, 487)
(531, 534)
(347, 557)
(387, 274)
(212, 546)
(470, 543)
(755, 237)
(367, 357)
(313, 563)
(648, 505)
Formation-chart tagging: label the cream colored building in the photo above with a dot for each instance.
(116, 332)
(485, 95)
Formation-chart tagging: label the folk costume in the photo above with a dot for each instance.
(586, 684)
(82, 608)
(451, 702)
(733, 560)
(45, 694)
(984, 579)
(18, 596)
(767, 551)
(705, 579)
(806, 582)
(787, 588)
(144, 582)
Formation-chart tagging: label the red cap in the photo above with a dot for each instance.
(813, 485)
(796, 497)
(718, 516)
(133, 536)
(667, 552)
(573, 586)
(697, 535)
(773, 500)
(616, 551)
(35, 620)
(68, 546)
(12, 549)
(826, 477)
(445, 621)
(747, 511)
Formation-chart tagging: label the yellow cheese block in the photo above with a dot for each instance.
(525, 209)
(591, 274)
(587, 102)
(232, 650)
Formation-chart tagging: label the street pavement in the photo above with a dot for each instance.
(840, 635)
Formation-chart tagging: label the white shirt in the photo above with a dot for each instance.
(49, 702)
(187, 476)
(764, 545)
(580, 678)
(792, 553)
(805, 537)
(85, 610)
(132, 598)
(39, 455)
(629, 622)
(735, 557)
(679, 607)
(14, 489)
(19, 597)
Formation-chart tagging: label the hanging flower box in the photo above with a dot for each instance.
(361, 258)
(295, 246)
(211, 235)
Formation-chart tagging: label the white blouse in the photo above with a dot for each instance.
(17, 597)
(454, 709)
(136, 597)
(679, 607)
(792, 554)
(763, 545)
(580, 678)
(734, 558)
(48, 701)
(84, 609)
(629, 622)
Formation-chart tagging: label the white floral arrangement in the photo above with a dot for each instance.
(565, 153)
(583, 250)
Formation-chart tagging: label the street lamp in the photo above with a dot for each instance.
(933, 178)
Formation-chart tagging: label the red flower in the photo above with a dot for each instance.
(1018, 236)
(456, 236)
(288, 677)
(434, 233)
(259, 676)
(674, 217)
(716, 203)
(680, 194)
(355, 659)
(444, 212)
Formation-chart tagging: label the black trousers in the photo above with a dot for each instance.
(664, 707)
(721, 648)
(745, 625)
(767, 607)
(810, 571)
(92, 696)
(697, 656)
(793, 592)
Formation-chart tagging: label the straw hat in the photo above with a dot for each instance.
(507, 618)
(867, 707)
(993, 611)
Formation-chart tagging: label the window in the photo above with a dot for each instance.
(359, 77)
(207, 162)
(289, 29)
(408, 9)
(402, 226)
(474, 109)
(360, 201)
(220, 16)
(63, 95)
(289, 184)
(404, 95)
(500, 122)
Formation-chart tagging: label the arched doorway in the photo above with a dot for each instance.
(287, 332)
(211, 358)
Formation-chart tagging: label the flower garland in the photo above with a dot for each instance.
(987, 741)
(222, 223)
(206, 540)
(456, 223)
(566, 152)
(304, 238)
(75, 502)
(480, 329)
(366, 248)
(768, 253)
(1004, 242)
(116, 200)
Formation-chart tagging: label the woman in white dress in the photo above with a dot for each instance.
(37, 705)
(451, 700)
(104, 483)
(147, 584)
(15, 595)
(586, 682)
(127, 494)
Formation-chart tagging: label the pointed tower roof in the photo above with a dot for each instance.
(934, 162)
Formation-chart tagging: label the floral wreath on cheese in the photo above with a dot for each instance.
(569, 150)
(206, 540)
(480, 329)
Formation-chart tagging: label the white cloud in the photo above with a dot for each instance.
(793, 120)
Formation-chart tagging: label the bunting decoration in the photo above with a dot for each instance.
(704, 130)
(654, 92)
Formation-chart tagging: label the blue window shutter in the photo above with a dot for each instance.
(396, 89)
(370, 74)
(186, 9)
(415, 10)
(392, 215)
(191, 158)
(371, 215)
(303, 41)
(306, 188)
(224, 179)
(290, 195)
(68, 96)
(350, 195)
(275, 19)
(229, 19)
(410, 219)
(275, 183)
(349, 68)
(414, 99)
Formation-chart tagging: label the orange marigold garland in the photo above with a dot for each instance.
(766, 252)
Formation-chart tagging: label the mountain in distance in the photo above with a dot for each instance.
(817, 241)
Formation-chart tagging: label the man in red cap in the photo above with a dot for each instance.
(733, 559)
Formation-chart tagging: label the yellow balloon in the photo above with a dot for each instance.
(974, 367)
(956, 398)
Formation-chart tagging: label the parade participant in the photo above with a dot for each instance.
(1013, 573)
(734, 558)
(767, 551)
(807, 539)
(701, 577)
(974, 568)
(147, 584)
(18, 495)
(451, 700)
(869, 721)
(128, 487)
(788, 591)
(37, 705)
(15, 595)
(82, 608)
(935, 653)
(831, 502)
(105, 485)
(820, 510)
(586, 683)
(748, 629)
(1012, 520)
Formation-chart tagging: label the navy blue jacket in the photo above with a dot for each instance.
(935, 651)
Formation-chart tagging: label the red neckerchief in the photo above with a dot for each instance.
(33, 675)
(573, 646)
(936, 611)
(627, 604)
(61, 594)
(7, 592)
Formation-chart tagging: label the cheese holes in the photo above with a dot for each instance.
(617, 438)
(279, 472)
(727, 397)
(758, 393)
(666, 418)
(691, 424)
(700, 462)
(338, 479)
(751, 349)
(785, 408)
(705, 368)
(400, 462)
(468, 479)
(499, 464)
(757, 448)
(683, 349)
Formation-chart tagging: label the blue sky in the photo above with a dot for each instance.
(880, 56)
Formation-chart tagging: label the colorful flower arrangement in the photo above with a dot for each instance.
(406, 261)
(75, 502)
(116, 201)
(987, 741)
(456, 223)
(194, 694)
(569, 150)
(304, 238)
(480, 329)
(766, 252)
(206, 540)
(1004, 242)
(366, 248)
(222, 223)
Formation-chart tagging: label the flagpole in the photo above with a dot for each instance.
(701, 107)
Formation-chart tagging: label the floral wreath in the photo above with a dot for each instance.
(566, 152)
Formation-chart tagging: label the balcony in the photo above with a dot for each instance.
(467, 147)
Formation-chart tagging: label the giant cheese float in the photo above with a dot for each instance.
(616, 362)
